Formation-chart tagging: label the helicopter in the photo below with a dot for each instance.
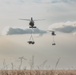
(52, 32)
(31, 22)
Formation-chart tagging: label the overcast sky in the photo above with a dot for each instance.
(59, 15)
(54, 11)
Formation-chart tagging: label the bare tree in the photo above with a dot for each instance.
(32, 63)
(21, 60)
(42, 65)
(12, 66)
(57, 62)
(5, 66)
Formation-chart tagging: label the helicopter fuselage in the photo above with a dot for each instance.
(31, 23)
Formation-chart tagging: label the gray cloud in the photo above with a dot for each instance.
(57, 1)
(67, 27)
(37, 1)
(16, 31)
(65, 1)
(53, 13)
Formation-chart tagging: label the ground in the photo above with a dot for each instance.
(38, 72)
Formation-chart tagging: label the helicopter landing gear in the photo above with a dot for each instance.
(32, 27)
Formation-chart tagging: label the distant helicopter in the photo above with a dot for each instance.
(32, 23)
(52, 32)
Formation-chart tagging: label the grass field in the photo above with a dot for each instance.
(38, 72)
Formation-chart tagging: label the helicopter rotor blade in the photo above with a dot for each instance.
(25, 19)
(39, 19)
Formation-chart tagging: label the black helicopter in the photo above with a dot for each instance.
(32, 23)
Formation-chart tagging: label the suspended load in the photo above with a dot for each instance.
(53, 41)
(31, 40)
